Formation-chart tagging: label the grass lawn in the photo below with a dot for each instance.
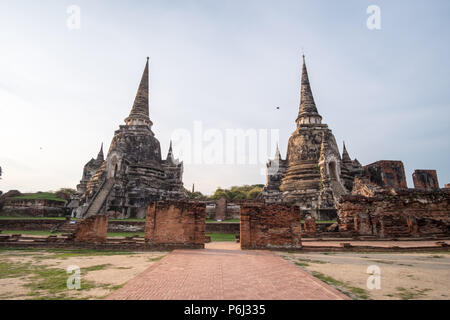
(226, 221)
(31, 232)
(41, 274)
(215, 237)
(30, 218)
(40, 196)
(48, 233)
(321, 221)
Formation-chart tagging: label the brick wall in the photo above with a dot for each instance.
(425, 179)
(408, 212)
(270, 226)
(92, 229)
(386, 173)
(221, 209)
(310, 225)
(176, 222)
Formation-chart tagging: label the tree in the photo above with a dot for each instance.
(65, 193)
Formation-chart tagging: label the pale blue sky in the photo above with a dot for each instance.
(227, 64)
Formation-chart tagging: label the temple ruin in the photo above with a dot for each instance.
(133, 173)
(313, 175)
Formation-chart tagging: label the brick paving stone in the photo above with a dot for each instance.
(222, 271)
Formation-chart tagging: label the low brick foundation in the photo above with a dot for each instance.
(270, 226)
(176, 222)
(92, 229)
(405, 212)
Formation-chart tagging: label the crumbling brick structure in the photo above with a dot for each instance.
(221, 209)
(386, 173)
(310, 225)
(401, 212)
(425, 179)
(266, 226)
(92, 229)
(176, 223)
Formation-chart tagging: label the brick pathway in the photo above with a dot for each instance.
(222, 271)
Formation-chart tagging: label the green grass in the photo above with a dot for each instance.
(321, 221)
(214, 236)
(40, 196)
(221, 237)
(301, 264)
(155, 259)
(48, 233)
(342, 286)
(408, 294)
(311, 261)
(225, 221)
(129, 219)
(62, 253)
(31, 218)
(30, 232)
(126, 234)
(45, 282)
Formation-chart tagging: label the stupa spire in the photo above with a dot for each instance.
(277, 153)
(308, 111)
(139, 114)
(100, 155)
(345, 155)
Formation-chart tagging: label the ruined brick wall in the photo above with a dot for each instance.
(310, 225)
(221, 209)
(176, 222)
(407, 212)
(386, 173)
(270, 226)
(33, 207)
(92, 229)
(425, 179)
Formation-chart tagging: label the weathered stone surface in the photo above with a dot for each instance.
(313, 176)
(399, 212)
(175, 222)
(32, 207)
(386, 174)
(92, 229)
(425, 179)
(270, 226)
(133, 173)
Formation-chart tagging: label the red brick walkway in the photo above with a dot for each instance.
(223, 272)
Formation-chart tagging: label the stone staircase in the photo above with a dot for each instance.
(69, 226)
(338, 189)
(99, 198)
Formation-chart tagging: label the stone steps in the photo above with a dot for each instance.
(100, 198)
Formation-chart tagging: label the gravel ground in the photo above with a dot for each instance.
(402, 275)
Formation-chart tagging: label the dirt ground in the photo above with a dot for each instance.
(42, 274)
(404, 276)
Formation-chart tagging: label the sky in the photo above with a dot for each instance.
(226, 65)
